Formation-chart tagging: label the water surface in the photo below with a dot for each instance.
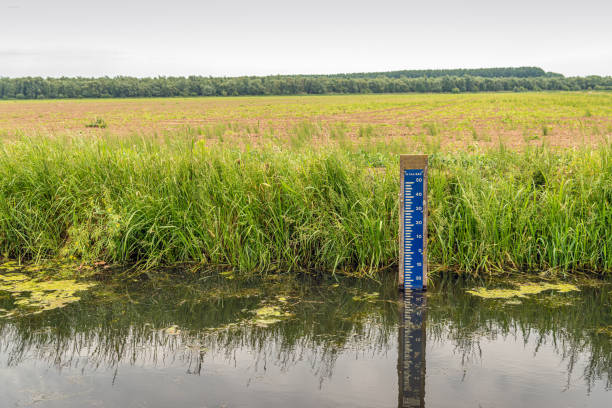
(218, 343)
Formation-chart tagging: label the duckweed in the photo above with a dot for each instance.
(607, 330)
(269, 314)
(172, 330)
(366, 297)
(13, 277)
(41, 295)
(522, 290)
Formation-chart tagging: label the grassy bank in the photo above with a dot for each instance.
(152, 202)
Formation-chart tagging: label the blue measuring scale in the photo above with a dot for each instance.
(413, 228)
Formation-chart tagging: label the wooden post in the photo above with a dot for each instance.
(413, 222)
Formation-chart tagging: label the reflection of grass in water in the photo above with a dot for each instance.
(116, 325)
(570, 322)
(182, 323)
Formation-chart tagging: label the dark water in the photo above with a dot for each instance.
(311, 345)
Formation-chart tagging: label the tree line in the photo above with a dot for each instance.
(510, 72)
(122, 87)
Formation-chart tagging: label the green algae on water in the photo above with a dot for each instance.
(269, 314)
(172, 330)
(522, 290)
(366, 297)
(37, 296)
(227, 293)
(9, 266)
(13, 277)
(607, 330)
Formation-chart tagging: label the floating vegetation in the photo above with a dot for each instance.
(605, 330)
(62, 268)
(228, 293)
(269, 314)
(38, 296)
(196, 347)
(224, 327)
(13, 277)
(522, 290)
(366, 297)
(9, 266)
(229, 275)
(553, 301)
(172, 330)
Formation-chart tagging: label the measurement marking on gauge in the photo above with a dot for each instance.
(413, 222)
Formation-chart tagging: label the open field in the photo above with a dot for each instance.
(412, 122)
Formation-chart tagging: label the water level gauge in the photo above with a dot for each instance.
(413, 222)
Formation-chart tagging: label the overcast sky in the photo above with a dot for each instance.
(251, 37)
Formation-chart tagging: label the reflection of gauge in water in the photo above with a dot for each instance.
(411, 353)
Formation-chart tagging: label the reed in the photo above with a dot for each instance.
(331, 209)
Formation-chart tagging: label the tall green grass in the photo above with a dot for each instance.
(330, 210)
